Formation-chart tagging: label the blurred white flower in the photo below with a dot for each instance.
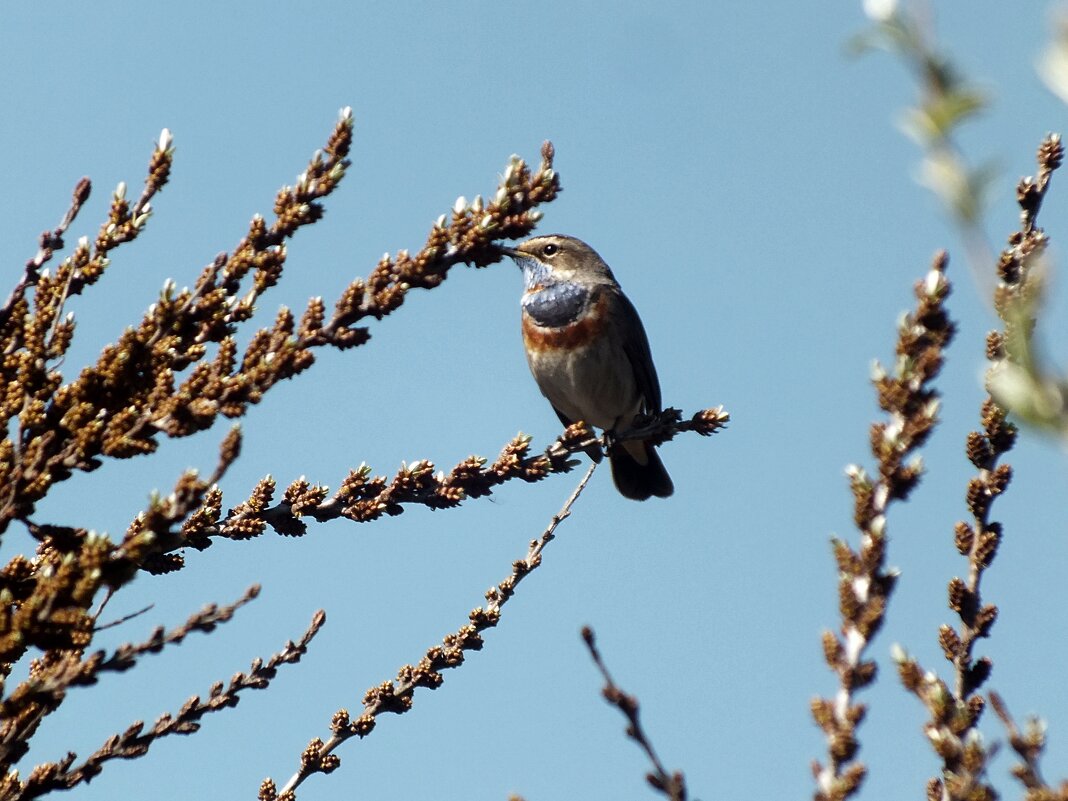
(880, 10)
(1053, 64)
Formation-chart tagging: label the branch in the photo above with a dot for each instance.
(397, 696)
(671, 785)
(1028, 745)
(46, 688)
(363, 497)
(1020, 380)
(955, 711)
(122, 405)
(50, 242)
(135, 742)
(865, 584)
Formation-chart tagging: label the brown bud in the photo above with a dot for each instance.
(1028, 195)
(1050, 153)
(950, 642)
(978, 449)
(987, 548)
(81, 192)
(843, 746)
(832, 649)
(977, 675)
(985, 619)
(848, 561)
(977, 497)
(963, 537)
(849, 780)
(340, 721)
(1008, 267)
(1000, 478)
(959, 595)
(864, 674)
(363, 725)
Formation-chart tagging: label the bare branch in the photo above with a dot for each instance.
(671, 785)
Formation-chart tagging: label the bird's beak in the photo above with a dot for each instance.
(512, 252)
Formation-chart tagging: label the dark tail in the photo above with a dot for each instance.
(635, 480)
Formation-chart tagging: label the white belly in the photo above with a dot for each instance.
(594, 383)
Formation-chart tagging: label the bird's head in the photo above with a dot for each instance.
(557, 259)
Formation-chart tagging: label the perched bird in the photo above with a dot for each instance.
(587, 350)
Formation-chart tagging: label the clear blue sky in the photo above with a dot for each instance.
(748, 184)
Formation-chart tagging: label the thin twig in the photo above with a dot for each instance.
(125, 618)
(672, 785)
(1028, 745)
(50, 242)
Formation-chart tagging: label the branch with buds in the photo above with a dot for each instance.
(363, 497)
(397, 696)
(865, 583)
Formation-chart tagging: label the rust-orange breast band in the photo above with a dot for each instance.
(567, 337)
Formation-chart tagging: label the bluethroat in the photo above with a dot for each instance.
(589, 354)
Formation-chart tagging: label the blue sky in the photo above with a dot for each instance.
(748, 183)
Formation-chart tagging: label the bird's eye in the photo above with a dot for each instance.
(550, 250)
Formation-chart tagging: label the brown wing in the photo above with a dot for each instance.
(636, 346)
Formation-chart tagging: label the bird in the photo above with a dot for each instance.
(588, 352)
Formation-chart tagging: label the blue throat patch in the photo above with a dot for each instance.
(557, 305)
